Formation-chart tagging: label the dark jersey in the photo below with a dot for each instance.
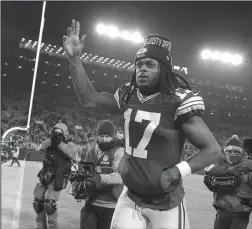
(153, 142)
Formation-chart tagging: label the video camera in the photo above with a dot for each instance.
(245, 199)
(81, 186)
(214, 184)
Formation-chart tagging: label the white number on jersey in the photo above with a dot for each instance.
(154, 119)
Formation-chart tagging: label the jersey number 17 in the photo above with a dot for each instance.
(154, 118)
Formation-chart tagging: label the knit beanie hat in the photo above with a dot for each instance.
(62, 127)
(156, 47)
(105, 128)
(233, 143)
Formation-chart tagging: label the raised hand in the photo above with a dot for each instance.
(72, 43)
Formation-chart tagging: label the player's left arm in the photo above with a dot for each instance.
(115, 177)
(68, 149)
(188, 115)
(197, 132)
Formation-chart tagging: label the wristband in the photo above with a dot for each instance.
(184, 169)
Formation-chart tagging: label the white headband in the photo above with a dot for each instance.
(230, 147)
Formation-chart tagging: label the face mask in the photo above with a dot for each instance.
(105, 142)
(106, 146)
(233, 156)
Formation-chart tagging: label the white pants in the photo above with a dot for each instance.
(128, 215)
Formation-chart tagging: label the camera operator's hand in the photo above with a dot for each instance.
(95, 179)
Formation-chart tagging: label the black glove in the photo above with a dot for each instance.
(170, 178)
(94, 179)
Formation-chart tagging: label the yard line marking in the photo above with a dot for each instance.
(17, 209)
(198, 190)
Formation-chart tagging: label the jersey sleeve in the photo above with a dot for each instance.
(120, 92)
(191, 104)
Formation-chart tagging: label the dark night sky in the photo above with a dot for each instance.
(190, 25)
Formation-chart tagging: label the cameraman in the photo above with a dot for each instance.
(107, 182)
(231, 214)
(56, 166)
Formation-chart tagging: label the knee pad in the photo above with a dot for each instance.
(50, 206)
(38, 205)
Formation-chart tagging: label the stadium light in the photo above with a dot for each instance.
(126, 35)
(181, 69)
(100, 28)
(85, 57)
(136, 37)
(224, 57)
(113, 32)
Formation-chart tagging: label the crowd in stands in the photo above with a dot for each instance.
(81, 124)
(45, 114)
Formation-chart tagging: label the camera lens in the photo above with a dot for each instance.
(85, 170)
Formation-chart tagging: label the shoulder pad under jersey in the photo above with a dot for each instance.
(120, 92)
(189, 103)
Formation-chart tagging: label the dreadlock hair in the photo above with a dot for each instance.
(169, 82)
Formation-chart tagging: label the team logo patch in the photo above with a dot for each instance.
(141, 51)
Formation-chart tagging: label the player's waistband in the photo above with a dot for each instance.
(164, 201)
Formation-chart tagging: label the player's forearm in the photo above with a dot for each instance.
(112, 178)
(204, 158)
(83, 87)
(68, 150)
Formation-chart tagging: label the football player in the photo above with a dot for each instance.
(160, 111)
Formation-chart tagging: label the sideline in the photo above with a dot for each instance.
(17, 209)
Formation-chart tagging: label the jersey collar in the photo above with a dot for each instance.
(143, 98)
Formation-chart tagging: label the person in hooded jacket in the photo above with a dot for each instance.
(53, 177)
(231, 214)
(99, 208)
